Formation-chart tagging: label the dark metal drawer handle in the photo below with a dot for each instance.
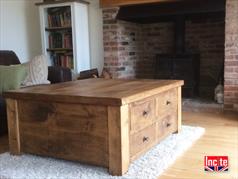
(168, 103)
(146, 139)
(145, 113)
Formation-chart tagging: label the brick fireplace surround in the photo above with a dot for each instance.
(129, 49)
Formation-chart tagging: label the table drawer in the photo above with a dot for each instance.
(166, 101)
(142, 140)
(142, 114)
(167, 125)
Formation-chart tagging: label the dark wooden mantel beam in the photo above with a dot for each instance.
(155, 12)
(115, 3)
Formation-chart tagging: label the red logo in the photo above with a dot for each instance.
(216, 163)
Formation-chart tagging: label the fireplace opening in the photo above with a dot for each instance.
(170, 40)
(180, 64)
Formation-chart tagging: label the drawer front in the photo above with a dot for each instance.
(166, 102)
(142, 140)
(167, 125)
(142, 114)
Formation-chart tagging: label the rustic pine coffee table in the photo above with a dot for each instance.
(102, 122)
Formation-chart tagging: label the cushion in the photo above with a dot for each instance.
(11, 77)
(37, 69)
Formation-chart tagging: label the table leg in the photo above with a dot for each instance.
(13, 127)
(179, 110)
(118, 131)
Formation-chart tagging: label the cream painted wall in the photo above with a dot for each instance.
(20, 30)
(96, 35)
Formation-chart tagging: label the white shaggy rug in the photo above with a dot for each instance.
(150, 166)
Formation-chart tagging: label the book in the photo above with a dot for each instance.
(60, 40)
(59, 17)
(63, 60)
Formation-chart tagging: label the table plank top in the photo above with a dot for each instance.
(95, 91)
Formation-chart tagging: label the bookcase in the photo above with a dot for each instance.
(65, 34)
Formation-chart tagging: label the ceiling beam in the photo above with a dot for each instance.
(116, 3)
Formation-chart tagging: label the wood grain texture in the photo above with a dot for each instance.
(4, 144)
(114, 3)
(74, 132)
(142, 114)
(166, 126)
(118, 127)
(179, 109)
(13, 127)
(140, 141)
(167, 102)
(95, 91)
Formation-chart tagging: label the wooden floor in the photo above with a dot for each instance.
(220, 138)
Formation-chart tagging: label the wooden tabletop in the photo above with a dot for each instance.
(95, 91)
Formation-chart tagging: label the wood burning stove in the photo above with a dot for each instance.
(180, 65)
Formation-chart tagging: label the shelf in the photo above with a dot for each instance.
(58, 28)
(64, 26)
(59, 49)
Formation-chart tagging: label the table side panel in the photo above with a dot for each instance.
(68, 131)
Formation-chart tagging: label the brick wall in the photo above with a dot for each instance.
(130, 48)
(157, 38)
(122, 45)
(231, 56)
